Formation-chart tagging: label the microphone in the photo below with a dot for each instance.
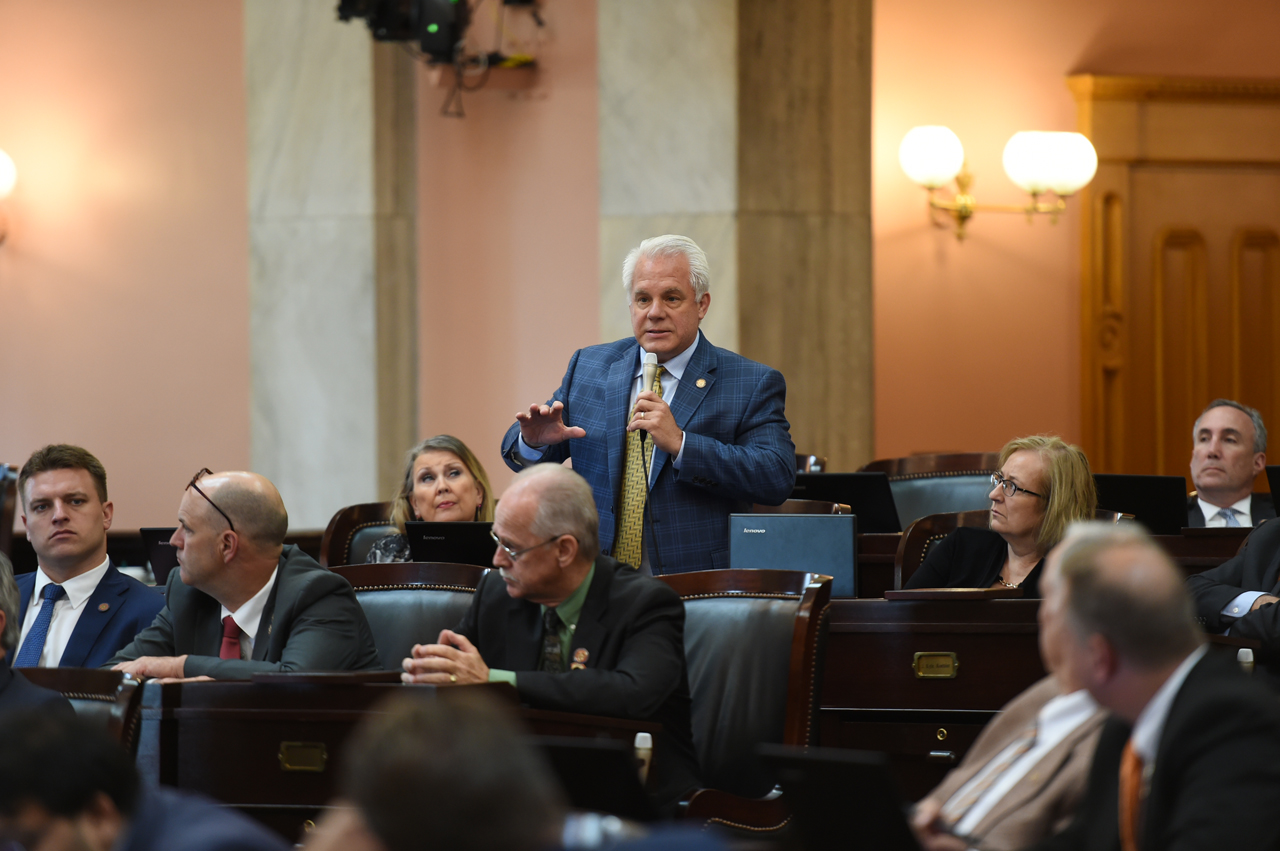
(649, 365)
(649, 370)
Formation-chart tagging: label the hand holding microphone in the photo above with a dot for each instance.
(652, 416)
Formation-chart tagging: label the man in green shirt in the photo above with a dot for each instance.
(573, 630)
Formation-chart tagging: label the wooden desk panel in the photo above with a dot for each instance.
(875, 563)
(1197, 550)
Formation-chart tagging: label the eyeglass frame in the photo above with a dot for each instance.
(205, 471)
(999, 481)
(515, 554)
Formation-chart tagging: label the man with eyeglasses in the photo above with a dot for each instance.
(571, 629)
(77, 610)
(243, 602)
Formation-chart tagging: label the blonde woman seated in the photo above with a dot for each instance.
(1043, 485)
(443, 481)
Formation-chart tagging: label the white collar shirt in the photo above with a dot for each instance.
(1212, 517)
(1150, 724)
(1056, 720)
(66, 612)
(249, 616)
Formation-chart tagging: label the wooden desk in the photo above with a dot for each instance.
(273, 750)
(872, 698)
(875, 563)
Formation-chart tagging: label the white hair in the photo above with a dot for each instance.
(670, 245)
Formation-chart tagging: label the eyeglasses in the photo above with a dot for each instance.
(192, 484)
(1010, 488)
(515, 554)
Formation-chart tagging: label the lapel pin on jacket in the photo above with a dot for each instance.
(102, 607)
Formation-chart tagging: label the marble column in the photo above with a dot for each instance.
(668, 145)
(332, 257)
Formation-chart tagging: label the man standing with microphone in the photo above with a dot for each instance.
(706, 425)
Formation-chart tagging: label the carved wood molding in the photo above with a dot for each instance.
(1093, 87)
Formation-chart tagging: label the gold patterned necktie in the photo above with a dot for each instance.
(635, 490)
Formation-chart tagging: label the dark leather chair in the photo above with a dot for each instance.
(753, 640)
(110, 698)
(923, 534)
(408, 603)
(8, 506)
(935, 484)
(802, 506)
(353, 531)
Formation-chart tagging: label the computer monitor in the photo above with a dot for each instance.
(1157, 502)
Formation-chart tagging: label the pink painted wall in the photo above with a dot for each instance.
(124, 280)
(508, 240)
(978, 343)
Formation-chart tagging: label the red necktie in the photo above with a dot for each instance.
(1130, 797)
(230, 639)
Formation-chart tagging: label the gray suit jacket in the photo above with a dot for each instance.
(311, 622)
(1045, 801)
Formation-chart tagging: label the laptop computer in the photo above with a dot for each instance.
(836, 795)
(462, 542)
(1157, 502)
(162, 554)
(868, 496)
(815, 543)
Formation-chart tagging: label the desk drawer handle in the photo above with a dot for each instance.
(941, 756)
(303, 756)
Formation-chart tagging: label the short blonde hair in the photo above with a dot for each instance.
(402, 510)
(1072, 494)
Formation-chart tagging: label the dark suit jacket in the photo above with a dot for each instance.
(1255, 568)
(99, 635)
(632, 631)
(1261, 507)
(737, 448)
(1046, 799)
(311, 622)
(18, 693)
(1216, 780)
(969, 557)
(167, 819)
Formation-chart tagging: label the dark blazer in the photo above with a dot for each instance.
(311, 622)
(737, 448)
(1216, 780)
(969, 557)
(631, 631)
(1046, 799)
(1261, 507)
(18, 693)
(166, 819)
(99, 634)
(1255, 568)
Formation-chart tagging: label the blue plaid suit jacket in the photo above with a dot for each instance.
(737, 448)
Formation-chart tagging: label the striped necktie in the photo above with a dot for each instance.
(635, 490)
(29, 655)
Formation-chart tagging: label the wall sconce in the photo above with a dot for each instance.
(1039, 162)
(8, 176)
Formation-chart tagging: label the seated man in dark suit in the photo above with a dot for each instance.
(16, 692)
(1191, 755)
(65, 785)
(573, 630)
(242, 602)
(77, 609)
(1240, 594)
(1229, 450)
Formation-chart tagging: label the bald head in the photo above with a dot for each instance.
(564, 505)
(1120, 585)
(253, 504)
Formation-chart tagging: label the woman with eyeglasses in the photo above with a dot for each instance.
(1044, 484)
(443, 481)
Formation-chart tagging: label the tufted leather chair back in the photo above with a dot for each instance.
(753, 641)
(409, 603)
(352, 531)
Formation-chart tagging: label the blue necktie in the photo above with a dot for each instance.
(29, 655)
(1229, 517)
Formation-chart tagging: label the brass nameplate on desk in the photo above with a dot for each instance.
(303, 756)
(935, 666)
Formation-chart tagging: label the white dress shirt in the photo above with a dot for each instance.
(66, 612)
(1150, 724)
(672, 372)
(1056, 720)
(249, 616)
(1213, 517)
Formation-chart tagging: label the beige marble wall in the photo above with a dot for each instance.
(668, 144)
(312, 270)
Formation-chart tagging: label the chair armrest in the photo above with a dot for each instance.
(754, 815)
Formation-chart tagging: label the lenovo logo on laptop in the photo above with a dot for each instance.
(754, 531)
